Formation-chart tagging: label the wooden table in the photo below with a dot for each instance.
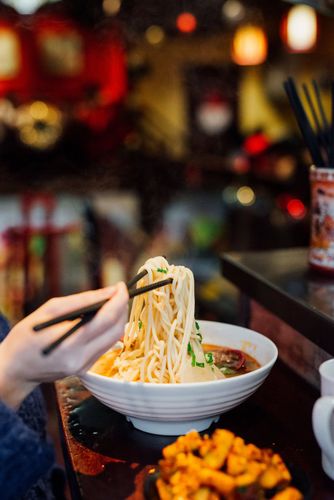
(107, 458)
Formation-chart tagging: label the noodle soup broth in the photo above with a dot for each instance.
(232, 362)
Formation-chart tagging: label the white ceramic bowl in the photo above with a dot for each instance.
(174, 409)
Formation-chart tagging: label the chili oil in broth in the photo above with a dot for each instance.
(232, 362)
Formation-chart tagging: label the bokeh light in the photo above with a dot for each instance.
(229, 195)
(186, 22)
(233, 10)
(299, 30)
(154, 35)
(249, 46)
(246, 195)
(111, 7)
(38, 110)
(296, 208)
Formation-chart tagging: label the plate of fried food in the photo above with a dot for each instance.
(223, 466)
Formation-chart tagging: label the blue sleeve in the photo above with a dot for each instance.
(4, 327)
(24, 456)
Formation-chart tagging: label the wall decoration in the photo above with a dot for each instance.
(39, 124)
(212, 108)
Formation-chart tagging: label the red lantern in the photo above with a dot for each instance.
(52, 58)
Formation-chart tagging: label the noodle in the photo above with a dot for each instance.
(162, 342)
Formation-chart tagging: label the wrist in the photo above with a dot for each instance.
(12, 390)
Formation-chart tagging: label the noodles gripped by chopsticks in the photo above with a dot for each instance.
(161, 338)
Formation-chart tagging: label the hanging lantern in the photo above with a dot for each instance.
(249, 45)
(299, 29)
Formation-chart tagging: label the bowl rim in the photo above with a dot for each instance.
(91, 376)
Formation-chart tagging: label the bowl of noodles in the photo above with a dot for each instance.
(170, 373)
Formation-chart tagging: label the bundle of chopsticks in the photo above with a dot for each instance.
(319, 135)
(85, 314)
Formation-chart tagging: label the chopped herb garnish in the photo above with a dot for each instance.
(227, 371)
(197, 325)
(193, 358)
(162, 270)
(140, 324)
(201, 365)
(199, 335)
(209, 358)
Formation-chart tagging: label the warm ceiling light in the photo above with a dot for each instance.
(186, 22)
(299, 28)
(249, 45)
(154, 34)
(111, 7)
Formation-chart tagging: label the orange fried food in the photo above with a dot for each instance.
(222, 466)
(289, 493)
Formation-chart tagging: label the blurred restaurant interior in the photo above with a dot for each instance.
(130, 129)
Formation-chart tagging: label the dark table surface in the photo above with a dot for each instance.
(282, 281)
(108, 459)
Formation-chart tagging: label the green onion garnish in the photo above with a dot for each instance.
(199, 335)
(209, 358)
(193, 358)
(201, 365)
(140, 324)
(197, 325)
(162, 270)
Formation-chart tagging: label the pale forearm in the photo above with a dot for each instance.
(12, 390)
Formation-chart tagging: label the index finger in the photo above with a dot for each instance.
(64, 305)
(110, 311)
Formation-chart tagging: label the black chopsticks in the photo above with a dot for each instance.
(85, 314)
(93, 308)
(61, 339)
(308, 133)
(75, 314)
(136, 278)
(319, 141)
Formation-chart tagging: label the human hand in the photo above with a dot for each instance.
(23, 367)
